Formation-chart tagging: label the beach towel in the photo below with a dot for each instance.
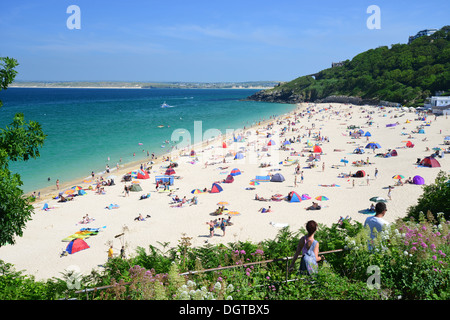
(262, 178)
(279, 225)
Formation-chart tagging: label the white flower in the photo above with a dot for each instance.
(183, 288)
(190, 284)
(217, 286)
(229, 298)
(184, 295)
(230, 288)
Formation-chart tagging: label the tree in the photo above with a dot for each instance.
(19, 141)
(435, 198)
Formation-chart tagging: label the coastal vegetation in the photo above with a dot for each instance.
(404, 73)
(19, 141)
(410, 261)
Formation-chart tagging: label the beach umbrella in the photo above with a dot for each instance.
(70, 191)
(373, 145)
(233, 213)
(398, 176)
(378, 199)
(254, 183)
(344, 160)
(196, 191)
(222, 203)
(271, 143)
(322, 198)
(437, 149)
(367, 134)
(305, 196)
(286, 142)
(76, 188)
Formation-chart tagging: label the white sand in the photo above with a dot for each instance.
(38, 251)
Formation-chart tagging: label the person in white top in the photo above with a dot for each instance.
(376, 223)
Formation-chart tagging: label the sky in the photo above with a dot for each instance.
(201, 41)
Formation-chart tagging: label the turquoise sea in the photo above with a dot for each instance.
(85, 127)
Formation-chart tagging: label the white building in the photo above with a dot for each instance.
(426, 32)
(439, 104)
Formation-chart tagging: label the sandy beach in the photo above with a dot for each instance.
(38, 252)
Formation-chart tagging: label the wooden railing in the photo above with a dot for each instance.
(286, 259)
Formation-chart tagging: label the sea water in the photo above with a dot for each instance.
(88, 129)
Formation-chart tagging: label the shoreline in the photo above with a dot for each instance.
(168, 223)
(125, 87)
(49, 192)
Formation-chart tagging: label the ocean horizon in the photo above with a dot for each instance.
(90, 128)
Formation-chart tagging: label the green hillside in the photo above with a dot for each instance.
(404, 73)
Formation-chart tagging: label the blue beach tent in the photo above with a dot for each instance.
(277, 177)
(216, 188)
(235, 172)
(239, 155)
(294, 197)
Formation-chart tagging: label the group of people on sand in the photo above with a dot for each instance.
(222, 223)
(86, 219)
(177, 202)
(141, 218)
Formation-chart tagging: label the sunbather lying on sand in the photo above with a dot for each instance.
(263, 210)
(314, 206)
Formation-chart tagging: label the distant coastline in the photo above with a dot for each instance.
(259, 85)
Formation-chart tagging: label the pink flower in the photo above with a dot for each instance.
(434, 257)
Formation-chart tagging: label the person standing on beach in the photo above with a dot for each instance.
(211, 228)
(376, 172)
(223, 226)
(389, 193)
(295, 181)
(57, 184)
(110, 253)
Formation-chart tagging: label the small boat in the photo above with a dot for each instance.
(165, 105)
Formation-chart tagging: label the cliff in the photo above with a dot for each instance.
(404, 74)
